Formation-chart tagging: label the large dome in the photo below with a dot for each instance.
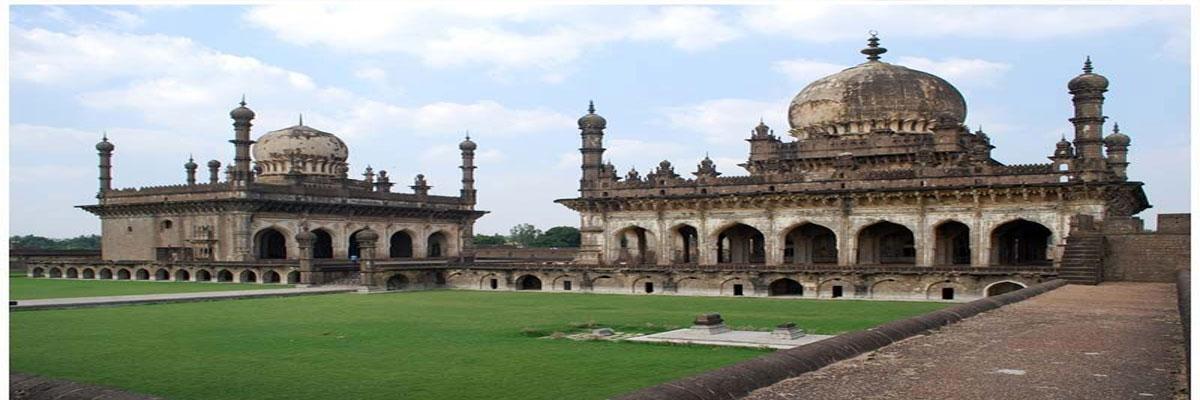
(875, 95)
(300, 149)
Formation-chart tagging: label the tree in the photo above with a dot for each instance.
(491, 240)
(85, 242)
(524, 234)
(559, 236)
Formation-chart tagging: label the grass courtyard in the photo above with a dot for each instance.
(413, 345)
(23, 288)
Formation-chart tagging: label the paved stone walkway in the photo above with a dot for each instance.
(30, 387)
(43, 304)
(1112, 341)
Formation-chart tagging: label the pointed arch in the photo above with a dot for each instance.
(952, 243)
(1021, 242)
(400, 244)
(634, 245)
(437, 245)
(886, 242)
(740, 244)
(685, 244)
(322, 246)
(810, 243)
(270, 244)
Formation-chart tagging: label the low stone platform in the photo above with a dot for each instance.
(79, 302)
(1112, 341)
(731, 338)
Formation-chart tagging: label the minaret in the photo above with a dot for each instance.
(1087, 92)
(1116, 146)
(420, 187)
(591, 128)
(105, 150)
(241, 142)
(191, 166)
(468, 170)
(214, 171)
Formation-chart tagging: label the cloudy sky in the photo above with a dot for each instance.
(400, 84)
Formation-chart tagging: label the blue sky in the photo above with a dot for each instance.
(400, 84)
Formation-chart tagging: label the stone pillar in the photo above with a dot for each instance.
(304, 242)
(366, 264)
(242, 248)
(1087, 94)
(241, 127)
(190, 167)
(772, 244)
(105, 150)
(214, 171)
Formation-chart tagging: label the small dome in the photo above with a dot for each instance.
(1116, 138)
(592, 120)
(191, 164)
(1087, 80)
(104, 145)
(466, 144)
(874, 95)
(214, 164)
(242, 113)
(300, 149)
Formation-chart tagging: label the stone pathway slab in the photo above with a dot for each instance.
(77, 302)
(1112, 341)
(731, 338)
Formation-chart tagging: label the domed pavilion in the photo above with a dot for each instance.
(284, 211)
(877, 190)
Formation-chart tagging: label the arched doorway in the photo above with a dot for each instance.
(162, 275)
(224, 276)
(270, 277)
(89, 274)
(182, 275)
(38, 272)
(248, 276)
(106, 273)
(143, 275)
(952, 244)
(886, 243)
(352, 249)
(437, 245)
(123, 275)
(785, 287)
(272, 245)
(293, 277)
(1000, 288)
(72, 273)
(322, 246)
(634, 246)
(529, 282)
(400, 245)
(741, 244)
(397, 282)
(1020, 242)
(810, 244)
(203, 276)
(685, 243)
(56, 273)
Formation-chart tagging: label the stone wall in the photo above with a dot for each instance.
(1149, 256)
(527, 253)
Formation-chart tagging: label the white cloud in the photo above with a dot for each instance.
(372, 74)
(805, 70)
(124, 20)
(498, 37)
(727, 121)
(688, 28)
(483, 118)
(824, 22)
(959, 71)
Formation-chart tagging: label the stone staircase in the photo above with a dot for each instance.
(1083, 259)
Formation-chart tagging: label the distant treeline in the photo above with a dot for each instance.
(85, 242)
(527, 235)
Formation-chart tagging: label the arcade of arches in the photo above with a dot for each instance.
(947, 242)
(272, 244)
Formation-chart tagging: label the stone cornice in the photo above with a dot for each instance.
(277, 206)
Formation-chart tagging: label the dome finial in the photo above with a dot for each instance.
(243, 102)
(468, 134)
(301, 118)
(873, 50)
(1087, 65)
(104, 136)
(591, 107)
(1116, 128)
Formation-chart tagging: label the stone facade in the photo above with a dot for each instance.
(1149, 256)
(249, 225)
(881, 171)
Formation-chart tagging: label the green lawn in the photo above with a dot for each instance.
(414, 345)
(22, 288)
